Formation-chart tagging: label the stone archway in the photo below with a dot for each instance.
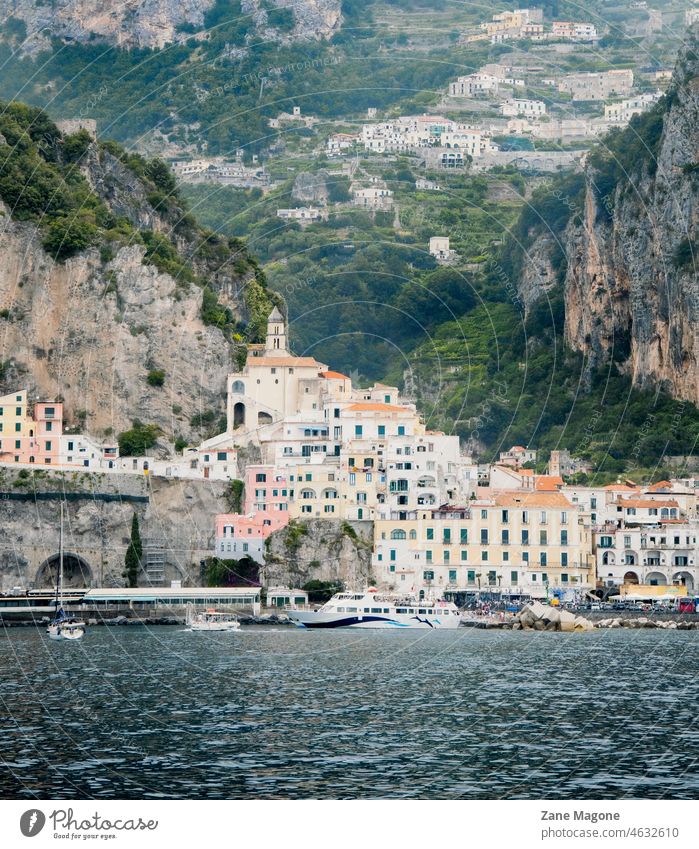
(631, 578)
(238, 414)
(656, 579)
(686, 579)
(77, 573)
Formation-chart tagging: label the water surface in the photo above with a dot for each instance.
(135, 712)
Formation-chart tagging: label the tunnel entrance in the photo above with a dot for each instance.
(77, 573)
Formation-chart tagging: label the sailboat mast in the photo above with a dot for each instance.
(60, 559)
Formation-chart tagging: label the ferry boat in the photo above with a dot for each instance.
(211, 620)
(371, 609)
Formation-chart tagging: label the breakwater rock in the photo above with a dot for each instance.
(645, 622)
(541, 617)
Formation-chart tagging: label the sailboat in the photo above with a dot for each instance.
(62, 627)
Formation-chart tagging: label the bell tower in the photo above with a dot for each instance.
(276, 344)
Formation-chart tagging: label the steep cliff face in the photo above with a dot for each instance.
(632, 286)
(153, 292)
(154, 23)
(322, 550)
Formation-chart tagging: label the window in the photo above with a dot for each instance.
(49, 427)
(471, 577)
(525, 557)
(358, 430)
(18, 411)
(353, 478)
(505, 556)
(307, 494)
(543, 538)
(428, 555)
(605, 542)
(564, 518)
(525, 517)
(428, 576)
(18, 443)
(514, 577)
(70, 446)
(401, 430)
(564, 558)
(464, 536)
(387, 399)
(564, 578)
(542, 559)
(221, 455)
(543, 518)
(464, 554)
(525, 537)
(505, 516)
(18, 426)
(484, 556)
(452, 576)
(544, 577)
(446, 536)
(505, 537)
(484, 514)
(398, 534)
(484, 536)
(260, 478)
(329, 508)
(564, 537)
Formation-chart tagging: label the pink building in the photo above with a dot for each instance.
(265, 510)
(26, 438)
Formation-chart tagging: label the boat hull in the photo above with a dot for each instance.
(231, 626)
(321, 619)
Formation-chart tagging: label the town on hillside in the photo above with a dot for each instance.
(443, 525)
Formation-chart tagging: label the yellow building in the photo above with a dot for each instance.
(535, 543)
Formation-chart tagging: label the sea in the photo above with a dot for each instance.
(142, 712)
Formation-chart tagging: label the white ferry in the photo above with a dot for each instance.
(372, 609)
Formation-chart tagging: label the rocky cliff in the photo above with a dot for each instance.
(140, 300)
(628, 254)
(322, 550)
(155, 23)
(176, 516)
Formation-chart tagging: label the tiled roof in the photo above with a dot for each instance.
(646, 502)
(334, 375)
(529, 499)
(548, 483)
(385, 408)
(299, 362)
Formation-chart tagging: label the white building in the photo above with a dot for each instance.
(622, 112)
(525, 108)
(660, 554)
(301, 213)
(440, 250)
(597, 86)
(372, 198)
(572, 31)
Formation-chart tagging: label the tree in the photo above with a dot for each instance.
(135, 442)
(134, 553)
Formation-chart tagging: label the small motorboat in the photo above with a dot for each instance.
(211, 620)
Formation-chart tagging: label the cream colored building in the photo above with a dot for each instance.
(537, 544)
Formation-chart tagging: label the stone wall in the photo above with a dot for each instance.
(175, 515)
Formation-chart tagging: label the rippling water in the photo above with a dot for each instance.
(158, 713)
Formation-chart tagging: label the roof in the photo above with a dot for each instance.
(385, 408)
(275, 315)
(620, 487)
(334, 375)
(299, 362)
(524, 498)
(659, 485)
(646, 502)
(549, 483)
